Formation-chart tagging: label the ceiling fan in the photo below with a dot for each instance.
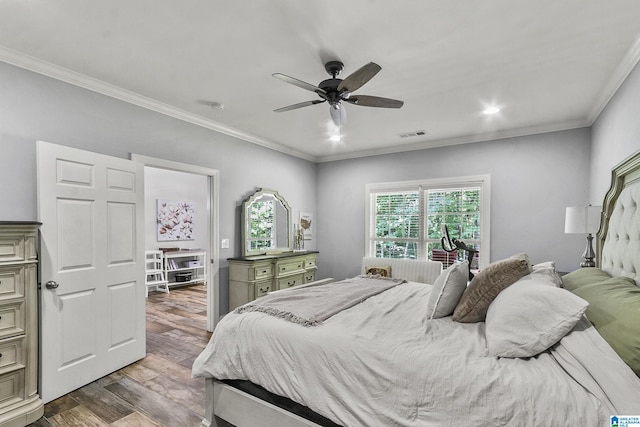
(334, 91)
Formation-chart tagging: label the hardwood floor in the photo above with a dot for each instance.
(157, 390)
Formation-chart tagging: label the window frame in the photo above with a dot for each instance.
(421, 186)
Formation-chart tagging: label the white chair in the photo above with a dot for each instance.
(154, 273)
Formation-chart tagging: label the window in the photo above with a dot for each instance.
(397, 225)
(404, 219)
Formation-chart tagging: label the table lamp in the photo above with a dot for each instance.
(584, 220)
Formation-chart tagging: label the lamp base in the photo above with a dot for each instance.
(588, 263)
(588, 254)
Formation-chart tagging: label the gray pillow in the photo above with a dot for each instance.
(487, 284)
(529, 317)
(447, 290)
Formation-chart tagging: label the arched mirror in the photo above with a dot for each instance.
(266, 223)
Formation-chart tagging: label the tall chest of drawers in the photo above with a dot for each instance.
(255, 276)
(20, 403)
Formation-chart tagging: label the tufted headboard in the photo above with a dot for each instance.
(618, 242)
(408, 269)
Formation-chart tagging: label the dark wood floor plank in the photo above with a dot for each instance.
(61, 404)
(78, 416)
(179, 335)
(161, 347)
(103, 403)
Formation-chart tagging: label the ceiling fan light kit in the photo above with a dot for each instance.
(335, 90)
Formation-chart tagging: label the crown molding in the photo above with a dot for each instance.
(620, 74)
(48, 69)
(458, 140)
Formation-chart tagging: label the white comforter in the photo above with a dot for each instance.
(382, 363)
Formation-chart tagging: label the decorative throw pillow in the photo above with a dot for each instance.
(378, 271)
(447, 290)
(487, 284)
(529, 317)
(583, 276)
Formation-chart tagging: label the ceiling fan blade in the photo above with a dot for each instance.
(299, 83)
(374, 101)
(338, 114)
(299, 105)
(359, 77)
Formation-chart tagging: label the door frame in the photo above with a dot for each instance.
(213, 175)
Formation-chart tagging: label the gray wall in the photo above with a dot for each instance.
(163, 184)
(34, 107)
(533, 180)
(615, 135)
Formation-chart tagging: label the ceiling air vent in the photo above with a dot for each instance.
(415, 133)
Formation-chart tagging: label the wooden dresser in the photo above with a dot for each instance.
(254, 276)
(20, 403)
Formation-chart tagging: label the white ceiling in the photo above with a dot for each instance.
(548, 64)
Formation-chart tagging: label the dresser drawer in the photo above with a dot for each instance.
(309, 276)
(11, 355)
(289, 281)
(290, 267)
(262, 271)
(12, 319)
(12, 280)
(11, 388)
(250, 272)
(12, 248)
(310, 262)
(263, 288)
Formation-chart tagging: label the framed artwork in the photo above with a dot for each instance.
(175, 220)
(306, 220)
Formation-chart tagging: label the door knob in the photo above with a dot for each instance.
(51, 284)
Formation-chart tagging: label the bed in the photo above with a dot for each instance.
(512, 348)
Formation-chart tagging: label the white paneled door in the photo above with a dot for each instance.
(92, 266)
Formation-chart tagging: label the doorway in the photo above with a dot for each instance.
(209, 222)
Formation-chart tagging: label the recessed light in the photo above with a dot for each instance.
(490, 110)
(335, 138)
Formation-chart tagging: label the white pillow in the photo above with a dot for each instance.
(447, 290)
(545, 271)
(530, 316)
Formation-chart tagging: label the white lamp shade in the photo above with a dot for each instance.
(582, 219)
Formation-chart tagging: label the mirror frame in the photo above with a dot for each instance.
(246, 247)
